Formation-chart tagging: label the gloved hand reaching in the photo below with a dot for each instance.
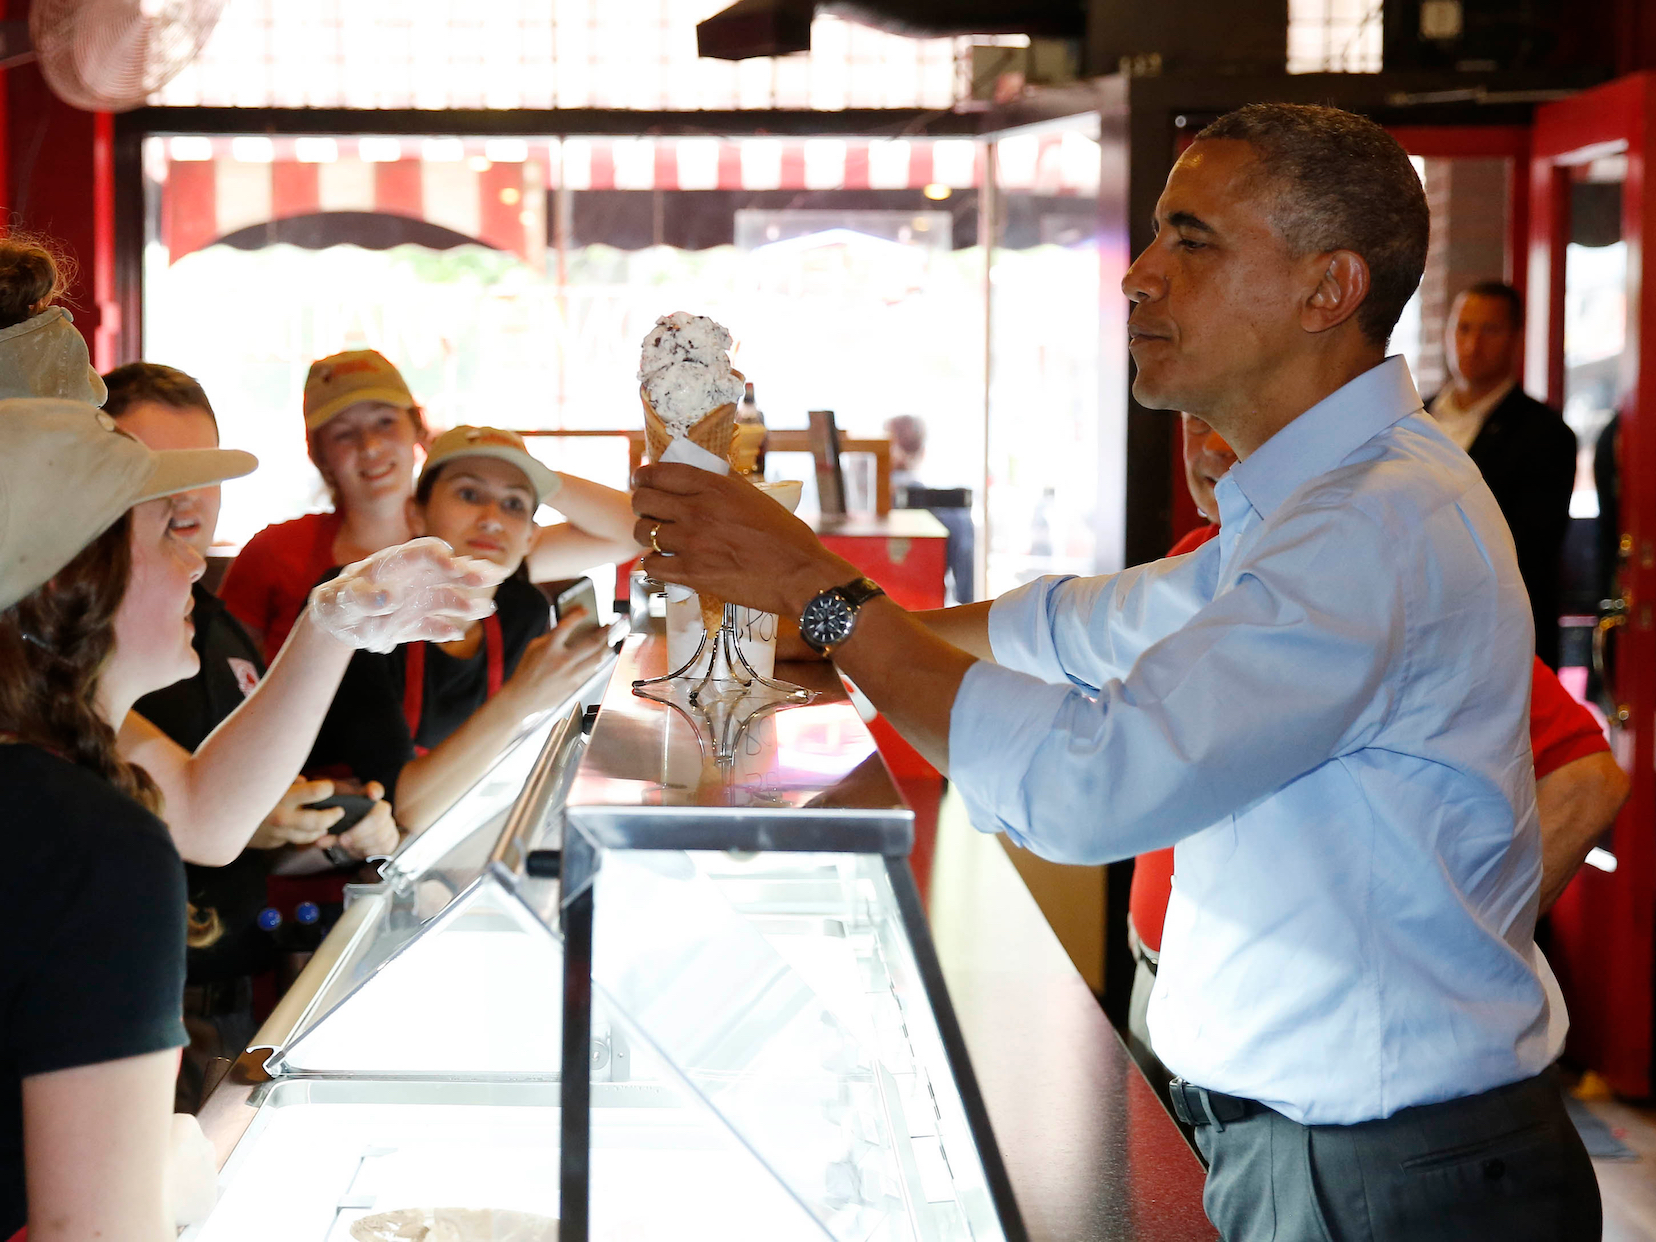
(416, 590)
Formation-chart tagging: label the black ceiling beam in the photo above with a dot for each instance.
(934, 19)
(751, 28)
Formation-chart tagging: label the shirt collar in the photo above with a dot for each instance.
(1326, 434)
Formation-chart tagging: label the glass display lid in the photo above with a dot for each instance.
(744, 1035)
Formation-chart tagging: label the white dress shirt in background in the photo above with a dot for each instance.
(1462, 423)
(1327, 709)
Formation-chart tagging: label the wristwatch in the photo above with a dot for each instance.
(831, 616)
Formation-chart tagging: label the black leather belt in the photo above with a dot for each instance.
(1197, 1106)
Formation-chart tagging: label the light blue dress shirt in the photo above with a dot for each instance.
(1326, 708)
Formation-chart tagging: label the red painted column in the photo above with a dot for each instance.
(59, 180)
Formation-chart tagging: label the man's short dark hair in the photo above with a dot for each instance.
(150, 381)
(1345, 184)
(1503, 293)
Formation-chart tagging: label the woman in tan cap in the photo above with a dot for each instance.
(361, 428)
(424, 719)
(95, 597)
(93, 612)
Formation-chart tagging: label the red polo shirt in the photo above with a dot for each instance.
(268, 584)
(1561, 731)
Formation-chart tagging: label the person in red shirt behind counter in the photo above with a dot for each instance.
(1578, 786)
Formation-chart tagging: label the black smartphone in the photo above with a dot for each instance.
(356, 806)
(578, 594)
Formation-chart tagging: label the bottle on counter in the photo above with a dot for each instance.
(749, 450)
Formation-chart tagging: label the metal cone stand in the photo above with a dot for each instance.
(727, 685)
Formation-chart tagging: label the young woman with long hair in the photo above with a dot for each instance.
(95, 597)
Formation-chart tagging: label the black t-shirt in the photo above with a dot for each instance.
(365, 734)
(94, 964)
(187, 711)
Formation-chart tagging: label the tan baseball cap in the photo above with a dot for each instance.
(67, 475)
(505, 446)
(341, 380)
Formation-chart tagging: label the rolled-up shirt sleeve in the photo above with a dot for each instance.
(1280, 672)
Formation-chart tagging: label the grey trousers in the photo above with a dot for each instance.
(1506, 1165)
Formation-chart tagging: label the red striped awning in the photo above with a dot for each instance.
(495, 189)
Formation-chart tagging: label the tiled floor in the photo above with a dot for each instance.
(1629, 1186)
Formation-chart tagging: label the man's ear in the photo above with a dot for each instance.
(1342, 286)
(416, 518)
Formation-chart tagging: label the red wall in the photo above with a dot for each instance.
(57, 178)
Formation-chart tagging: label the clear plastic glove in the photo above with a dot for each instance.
(289, 823)
(375, 835)
(416, 590)
(192, 1172)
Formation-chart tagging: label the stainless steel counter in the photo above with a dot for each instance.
(654, 776)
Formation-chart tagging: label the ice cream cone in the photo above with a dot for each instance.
(714, 431)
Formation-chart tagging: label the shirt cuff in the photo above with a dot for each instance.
(999, 720)
(1020, 630)
(1580, 746)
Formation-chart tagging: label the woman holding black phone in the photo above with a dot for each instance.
(426, 719)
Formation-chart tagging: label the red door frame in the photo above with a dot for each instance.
(1604, 927)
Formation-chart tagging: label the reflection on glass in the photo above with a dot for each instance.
(782, 991)
(323, 1156)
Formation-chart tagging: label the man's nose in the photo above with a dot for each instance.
(1143, 282)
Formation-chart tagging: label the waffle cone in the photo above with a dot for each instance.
(715, 431)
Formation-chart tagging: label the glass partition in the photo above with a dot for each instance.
(782, 990)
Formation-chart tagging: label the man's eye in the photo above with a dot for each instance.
(1186, 243)
(467, 494)
(514, 504)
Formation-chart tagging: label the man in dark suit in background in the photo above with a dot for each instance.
(1525, 450)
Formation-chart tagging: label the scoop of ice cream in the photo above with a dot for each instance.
(685, 370)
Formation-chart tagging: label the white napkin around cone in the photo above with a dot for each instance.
(688, 452)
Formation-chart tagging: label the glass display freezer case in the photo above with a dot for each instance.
(664, 973)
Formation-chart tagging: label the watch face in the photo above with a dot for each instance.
(827, 620)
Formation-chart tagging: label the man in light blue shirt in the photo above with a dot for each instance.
(1325, 708)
